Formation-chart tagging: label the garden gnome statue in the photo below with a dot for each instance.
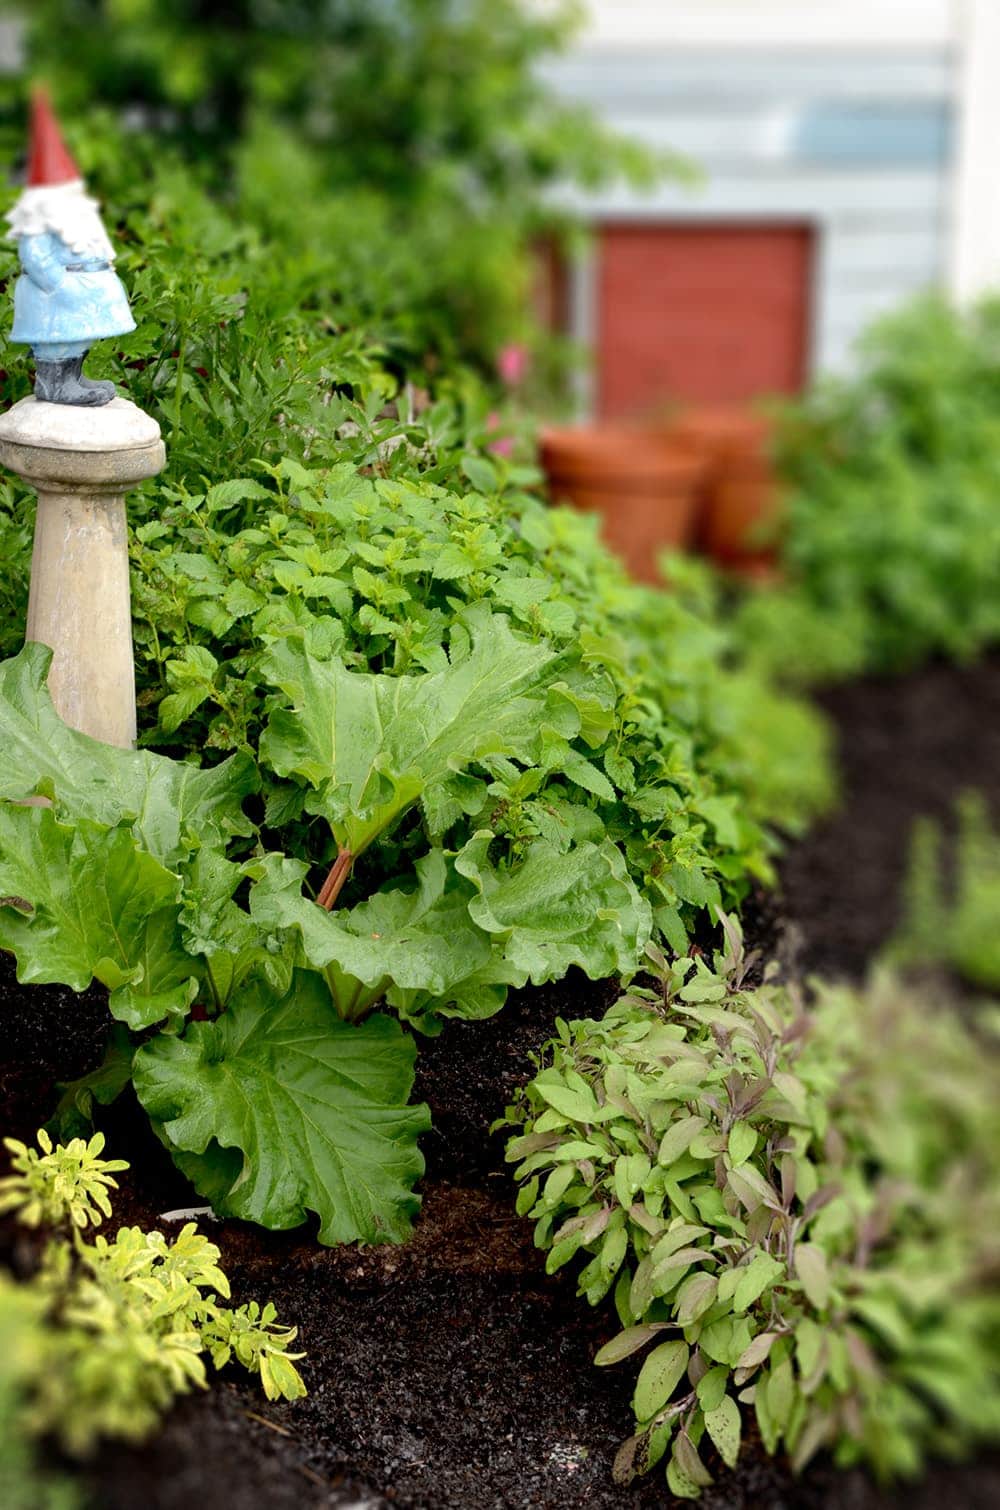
(79, 445)
(68, 294)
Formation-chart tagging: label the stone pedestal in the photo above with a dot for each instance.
(81, 462)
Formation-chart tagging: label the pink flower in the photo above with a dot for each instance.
(504, 444)
(512, 364)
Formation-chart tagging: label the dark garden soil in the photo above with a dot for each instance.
(905, 747)
(451, 1374)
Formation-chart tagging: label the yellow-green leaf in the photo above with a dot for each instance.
(658, 1378)
(723, 1426)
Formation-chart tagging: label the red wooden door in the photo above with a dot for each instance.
(708, 313)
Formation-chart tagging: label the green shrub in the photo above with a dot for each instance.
(950, 913)
(892, 538)
(109, 1333)
(664, 742)
(794, 1207)
(402, 147)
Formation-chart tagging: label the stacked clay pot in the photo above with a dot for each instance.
(644, 485)
(740, 504)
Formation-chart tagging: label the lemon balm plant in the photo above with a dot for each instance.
(793, 1209)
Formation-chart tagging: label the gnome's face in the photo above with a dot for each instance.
(64, 210)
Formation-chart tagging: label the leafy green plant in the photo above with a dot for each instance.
(123, 877)
(950, 912)
(649, 730)
(464, 752)
(113, 1330)
(794, 1210)
(891, 543)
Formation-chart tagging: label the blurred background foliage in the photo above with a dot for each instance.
(402, 145)
(891, 537)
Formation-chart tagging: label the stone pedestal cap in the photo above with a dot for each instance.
(66, 448)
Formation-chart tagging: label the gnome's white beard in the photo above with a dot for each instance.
(64, 210)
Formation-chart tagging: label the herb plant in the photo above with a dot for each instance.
(114, 1331)
(950, 911)
(24, 1484)
(794, 1209)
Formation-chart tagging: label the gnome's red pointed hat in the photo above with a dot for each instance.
(49, 160)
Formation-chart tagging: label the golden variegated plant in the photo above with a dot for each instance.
(121, 1326)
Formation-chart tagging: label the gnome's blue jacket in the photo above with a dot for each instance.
(63, 296)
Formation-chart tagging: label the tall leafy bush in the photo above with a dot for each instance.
(404, 145)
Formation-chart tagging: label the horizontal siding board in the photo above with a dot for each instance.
(901, 24)
(768, 194)
(846, 312)
(867, 134)
(874, 251)
(653, 79)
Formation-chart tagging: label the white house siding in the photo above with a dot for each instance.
(858, 141)
(11, 44)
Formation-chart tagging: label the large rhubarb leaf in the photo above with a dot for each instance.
(420, 941)
(164, 799)
(370, 745)
(554, 909)
(80, 902)
(231, 943)
(278, 1108)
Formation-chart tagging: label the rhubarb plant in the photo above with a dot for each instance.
(268, 1007)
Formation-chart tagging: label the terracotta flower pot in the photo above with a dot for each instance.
(742, 496)
(644, 486)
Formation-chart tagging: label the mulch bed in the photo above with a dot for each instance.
(452, 1374)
